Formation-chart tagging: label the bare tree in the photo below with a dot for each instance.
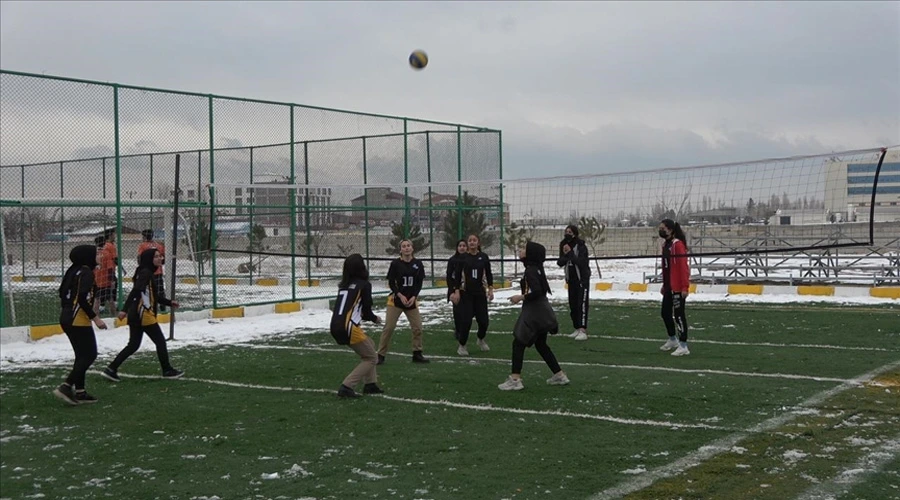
(516, 237)
(314, 242)
(591, 231)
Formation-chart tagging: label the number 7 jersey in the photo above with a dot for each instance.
(352, 306)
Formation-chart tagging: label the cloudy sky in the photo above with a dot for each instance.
(577, 87)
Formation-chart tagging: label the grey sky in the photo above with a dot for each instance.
(576, 87)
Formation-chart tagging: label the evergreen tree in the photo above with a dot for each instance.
(469, 219)
(405, 230)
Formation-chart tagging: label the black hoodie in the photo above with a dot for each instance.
(578, 268)
(77, 290)
(143, 301)
(534, 283)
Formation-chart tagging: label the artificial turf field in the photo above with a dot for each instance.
(799, 401)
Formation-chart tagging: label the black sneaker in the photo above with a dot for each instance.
(172, 373)
(84, 398)
(418, 358)
(372, 389)
(65, 393)
(380, 360)
(110, 375)
(346, 392)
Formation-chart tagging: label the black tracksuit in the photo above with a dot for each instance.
(454, 282)
(77, 294)
(142, 305)
(578, 277)
(476, 278)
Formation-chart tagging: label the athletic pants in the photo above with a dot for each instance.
(540, 344)
(84, 343)
(673, 316)
(135, 335)
(578, 304)
(472, 306)
(390, 323)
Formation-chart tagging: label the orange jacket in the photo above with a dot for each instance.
(146, 245)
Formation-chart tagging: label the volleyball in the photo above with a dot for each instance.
(418, 59)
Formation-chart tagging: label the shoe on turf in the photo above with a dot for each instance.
(462, 351)
(580, 336)
(483, 345)
(511, 384)
(372, 389)
(681, 351)
(66, 394)
(346, 392)
(558, 378)
(173, 373)
(84, 398)
(110, 375)
(419, 358)
(669, 345)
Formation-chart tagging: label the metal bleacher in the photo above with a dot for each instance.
(768, 259)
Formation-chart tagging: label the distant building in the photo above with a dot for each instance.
(379, 199)
(270, 206)
(848, 190)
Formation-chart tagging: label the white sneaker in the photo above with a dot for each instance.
(573, 334)
(511, 384)
(462, 351)
(558, 378)
(669, 345)
(681, 351)
(580, 336)
(483, 345)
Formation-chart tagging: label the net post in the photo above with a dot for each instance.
(306, 214)
(406, 222)
(117, 132)
(502, 218)
(874, 192)
(212, 207)
(294, 283)
(430, 200)
(174, 248)
(366, 200)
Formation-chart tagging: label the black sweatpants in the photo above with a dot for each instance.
(578, 304)
(673, 316)
(472, 306)
(540, 344)
(84, 343)
(135, 335)
(457, 318)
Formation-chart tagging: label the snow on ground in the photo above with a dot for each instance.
(56, 350)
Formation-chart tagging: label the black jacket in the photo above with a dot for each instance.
(578, 268)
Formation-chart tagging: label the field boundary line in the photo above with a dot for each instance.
(843, 482)
(757, 344)
(451, 404)
(724, 444)
(456, 359)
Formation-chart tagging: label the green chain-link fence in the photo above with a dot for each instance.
(79, 159)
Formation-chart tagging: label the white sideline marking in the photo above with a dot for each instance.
(843, 482)
(442, 402)
(457, 359)
(722, 445)
(756, 344)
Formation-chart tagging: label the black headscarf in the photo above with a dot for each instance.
(81, 256)
(535, 255)
(145, 261)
